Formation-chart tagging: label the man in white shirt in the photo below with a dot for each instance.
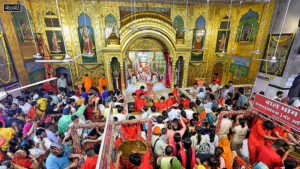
(41, 140)
(189, 112)
(214, 87)
(278, 96)
(62, 82)
(24, 106)
(226, 124)
(119, 115)
(231, 88)
(194, 91)
(174, 113)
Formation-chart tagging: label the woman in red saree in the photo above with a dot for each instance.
(20, 158)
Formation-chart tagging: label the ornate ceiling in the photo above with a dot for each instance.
(190, 1)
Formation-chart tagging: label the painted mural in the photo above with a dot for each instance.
(111, 26)
(223, 35)
(178, 24)
(36, 71)
(55, 42)
(248, 27)
(87, 39)
(7, 73)
(127, 10)
(239, 66)
(22, 25)
(198, 39)
(281, 54)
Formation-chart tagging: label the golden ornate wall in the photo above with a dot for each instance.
(157, 27)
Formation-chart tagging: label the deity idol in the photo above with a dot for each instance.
(87, 41)
(222, 42)
(55, 43)
(197, 44)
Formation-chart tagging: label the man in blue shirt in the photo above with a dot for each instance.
(59, 158)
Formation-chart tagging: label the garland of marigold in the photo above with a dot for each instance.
(283, 60)
(7, 60)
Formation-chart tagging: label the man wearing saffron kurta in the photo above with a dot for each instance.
(184, 101)
(141, 90)
(161, 105)
(88, 83)
(140, 103)
(129, 132)
(172, 101)
(257, 137)
(102, 82)
(175, 91)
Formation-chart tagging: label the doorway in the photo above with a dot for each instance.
(66, 73)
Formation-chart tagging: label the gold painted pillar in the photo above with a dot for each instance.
(122, 76)
(108, 74)
(173, 74)
(185, 73)
(14, 45)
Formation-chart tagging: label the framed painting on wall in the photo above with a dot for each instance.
(282, 53)
(55, 42)
(248, 27)
(246, 32)
(222, 41)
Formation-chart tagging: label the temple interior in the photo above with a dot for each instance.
(122, 46)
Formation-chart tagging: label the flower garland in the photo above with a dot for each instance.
(284, 57)
(7, 60)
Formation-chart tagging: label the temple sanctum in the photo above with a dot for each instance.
(232, 59)
(134, 43)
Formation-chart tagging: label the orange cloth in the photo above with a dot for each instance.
(90, 163)
(227, 154)
(171, 102)
(87, 83)
(202, 116)
(102, 82)
(138, 92)
(217, 79)
(185, 102)
(140, 104)
(156, 130)
(175, 92)
(159, 106)
(131, 131)
(256, 138)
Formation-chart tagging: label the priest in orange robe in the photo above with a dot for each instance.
(257, 137)
(172, 101)
(88, 83)
(161, 105)
(102, 83)
(184, 101)
(141, 90)
(175, 91)
(140, 103)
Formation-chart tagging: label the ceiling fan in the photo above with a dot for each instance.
(135, 28)
(274, 58)
(256, 52)
(37, 55)
(223, 53)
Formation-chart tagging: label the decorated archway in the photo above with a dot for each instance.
(149, 51)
